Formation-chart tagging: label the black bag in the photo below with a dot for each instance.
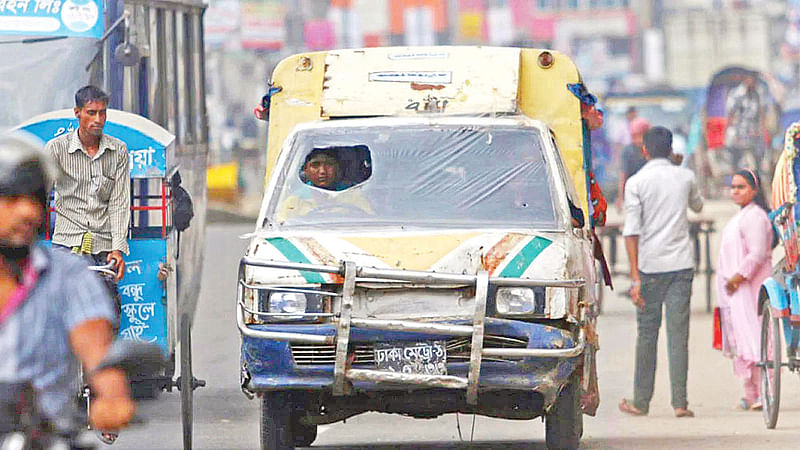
(183, 210)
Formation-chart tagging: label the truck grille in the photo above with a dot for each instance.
(458, 350)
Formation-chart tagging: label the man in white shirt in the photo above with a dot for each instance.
(661, 258)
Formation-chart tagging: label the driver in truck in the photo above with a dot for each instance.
(322, 170)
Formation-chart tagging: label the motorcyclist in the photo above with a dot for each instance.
(54, 313)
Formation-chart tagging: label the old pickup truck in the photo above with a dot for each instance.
(417, 250)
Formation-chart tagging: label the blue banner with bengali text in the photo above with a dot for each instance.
(77, 18)
(143, 295)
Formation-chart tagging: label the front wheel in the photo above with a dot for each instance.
(770, 365)
(564, 424)
(276, 421)
(186, 385)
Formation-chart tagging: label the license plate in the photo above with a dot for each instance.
(427, 357)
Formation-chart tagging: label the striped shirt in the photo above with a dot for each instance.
(34, 340)
(92, 194)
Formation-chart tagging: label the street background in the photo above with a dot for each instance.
(660, 56)
(225, 419)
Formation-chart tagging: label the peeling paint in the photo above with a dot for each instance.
(426, 87)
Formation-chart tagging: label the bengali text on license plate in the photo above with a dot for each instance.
(428, 358)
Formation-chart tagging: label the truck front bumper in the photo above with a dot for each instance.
(269, 364)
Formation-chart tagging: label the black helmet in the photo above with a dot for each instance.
(25, 169)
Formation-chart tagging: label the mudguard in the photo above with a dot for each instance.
(776, 294)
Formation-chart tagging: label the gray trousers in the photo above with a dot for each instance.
(672, 289)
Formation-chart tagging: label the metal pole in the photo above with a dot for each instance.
(343, 329)
(707, 230)
(478, 322)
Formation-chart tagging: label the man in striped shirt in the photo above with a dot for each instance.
(92, 185)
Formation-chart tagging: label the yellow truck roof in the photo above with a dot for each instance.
(400, 81)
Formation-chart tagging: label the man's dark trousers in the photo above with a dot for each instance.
(673, 290)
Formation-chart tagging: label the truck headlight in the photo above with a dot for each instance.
(287, 302)
(520, 301)
(515, 301)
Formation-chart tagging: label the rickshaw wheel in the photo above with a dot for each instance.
(186, 381)
(276, 421)
(770, 365)
(564, 423)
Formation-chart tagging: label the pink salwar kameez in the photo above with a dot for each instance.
(745, 249)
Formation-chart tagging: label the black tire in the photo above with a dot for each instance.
(770, 366)
(186, 385)
(564, 424)
(303, 435)
(276, 424)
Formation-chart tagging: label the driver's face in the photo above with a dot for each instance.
(91, 118)
(321, 171)
(20, 220)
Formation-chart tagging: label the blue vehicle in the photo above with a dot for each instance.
(779, 298)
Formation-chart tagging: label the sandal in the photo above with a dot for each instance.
(683, 412)
(627, 407)
(746, 405)
(107, 437)
(743, 405)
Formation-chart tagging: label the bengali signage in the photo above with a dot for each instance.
(427, 358)
(148, 143)
(142, 294)
(221, 22)
(262, 24)
(80, 18)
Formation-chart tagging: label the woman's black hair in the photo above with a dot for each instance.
(752, 179)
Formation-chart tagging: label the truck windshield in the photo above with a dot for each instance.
(415, 176)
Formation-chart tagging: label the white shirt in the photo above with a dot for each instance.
(656, 199)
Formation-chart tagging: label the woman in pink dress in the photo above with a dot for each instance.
(744, 263)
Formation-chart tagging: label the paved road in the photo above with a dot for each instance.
(225, 419)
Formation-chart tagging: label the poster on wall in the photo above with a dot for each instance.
(76, 18)
(221, 22)
(263, 24)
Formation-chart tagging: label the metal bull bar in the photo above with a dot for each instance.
(351, 272)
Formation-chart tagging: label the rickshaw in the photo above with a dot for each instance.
(715, 122)
(778, 298)
(453, 271)
(149, 290)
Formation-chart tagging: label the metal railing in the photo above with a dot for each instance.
(344, 321)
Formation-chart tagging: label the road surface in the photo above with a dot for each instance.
(225, 419)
